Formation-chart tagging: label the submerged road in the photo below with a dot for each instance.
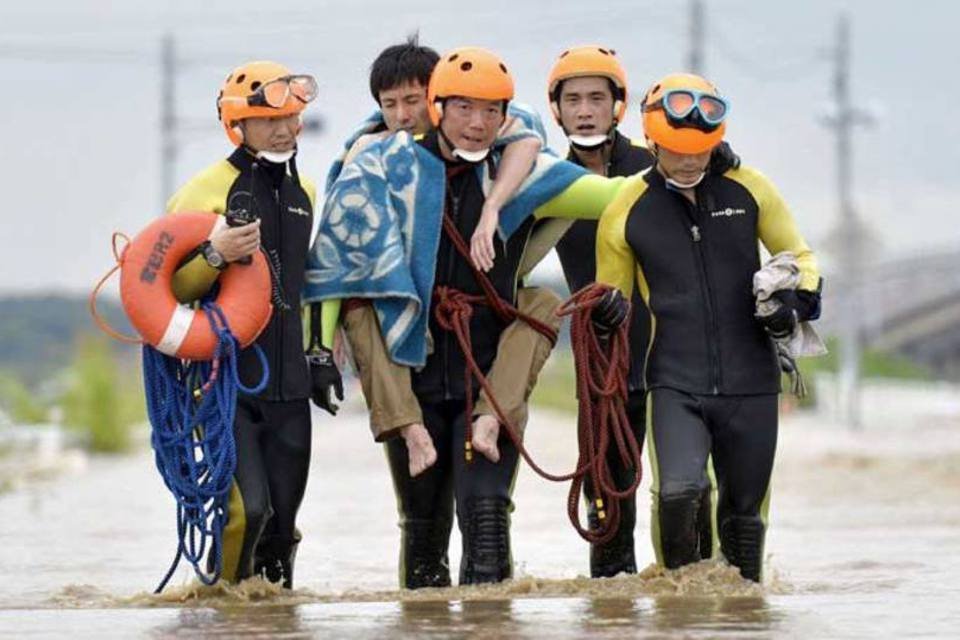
(864, 542)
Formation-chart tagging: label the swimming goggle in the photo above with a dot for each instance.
(692, 108)
(275, 93)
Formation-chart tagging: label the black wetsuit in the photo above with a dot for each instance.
(272, 430)
(712, 371)
(577, 253)
(480, 489)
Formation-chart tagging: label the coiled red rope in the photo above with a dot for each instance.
(601, 367)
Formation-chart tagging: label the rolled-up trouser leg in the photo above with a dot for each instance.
(745, 443)
(679, 443)
(618, 555)
(249, 508)
(425, 507)
(521, 353)
(482, 489)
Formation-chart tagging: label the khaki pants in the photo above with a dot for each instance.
(521, 354)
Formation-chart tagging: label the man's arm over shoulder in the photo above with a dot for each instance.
(616, 264)
(585, 198)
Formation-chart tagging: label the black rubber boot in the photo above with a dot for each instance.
(679, 535)
(705, 525)
(486, 543)
(274, 559)
(617, 555)
(741, 540)
(425, 561)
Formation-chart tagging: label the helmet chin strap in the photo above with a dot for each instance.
(676, 184)
(588, 143)
(686, 185)
(472, 157)
(276, 157)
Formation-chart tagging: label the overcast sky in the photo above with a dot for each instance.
(80, 111)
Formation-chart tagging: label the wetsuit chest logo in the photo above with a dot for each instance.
(299, 210)
(729, 212)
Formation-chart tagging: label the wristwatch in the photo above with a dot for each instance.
(213, 257)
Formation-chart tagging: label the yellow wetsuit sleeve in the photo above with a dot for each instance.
(329, 319)
(616, 264)
(585, 199)
(206, 192)
(776, 226)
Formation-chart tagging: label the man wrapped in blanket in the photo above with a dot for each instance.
(381, 241)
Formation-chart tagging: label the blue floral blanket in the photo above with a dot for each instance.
(380, 230)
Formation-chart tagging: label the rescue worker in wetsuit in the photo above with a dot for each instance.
(267, 205)
(587, 91)
(688, 238)
(468, 94)
(398, 82)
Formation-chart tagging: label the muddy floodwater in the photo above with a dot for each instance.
(865, 542)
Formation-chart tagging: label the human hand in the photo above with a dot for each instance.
(325, 380)
(236, 243)
(611, 311)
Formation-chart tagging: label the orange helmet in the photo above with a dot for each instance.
(694, 138)
(588, 60)
(469, 72)
(252, 90)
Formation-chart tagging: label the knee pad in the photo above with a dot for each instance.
(679, 533)
(741, 540)
(486, 542)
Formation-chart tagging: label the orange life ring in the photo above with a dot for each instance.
(147, 266)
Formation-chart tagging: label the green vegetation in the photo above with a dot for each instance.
(38, 333)
(556, 387)
(875, 364)
(103, 399)
(18, 402)
(52, 356)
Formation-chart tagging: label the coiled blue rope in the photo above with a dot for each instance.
(193, 441)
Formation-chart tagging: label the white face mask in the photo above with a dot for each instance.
(471, 156)
(690, 185)
(588, 142)
(276, 157)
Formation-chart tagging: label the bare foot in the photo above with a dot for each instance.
(486, 430)
(420, 449)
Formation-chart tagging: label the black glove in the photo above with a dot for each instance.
(782, 322)
(610, 312)
(325, 380)
(723, 159)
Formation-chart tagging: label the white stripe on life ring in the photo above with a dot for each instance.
(177, 330)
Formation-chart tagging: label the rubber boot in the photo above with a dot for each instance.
(679, 535)
(705, 524)
(741, 540)
(617, 555)
(486, 542)
(274, 559)
(425, 561)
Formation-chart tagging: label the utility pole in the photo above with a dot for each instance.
(695, 53)
(849, 231)
(168, 119)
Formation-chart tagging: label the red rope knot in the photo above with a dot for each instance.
(453, 308)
